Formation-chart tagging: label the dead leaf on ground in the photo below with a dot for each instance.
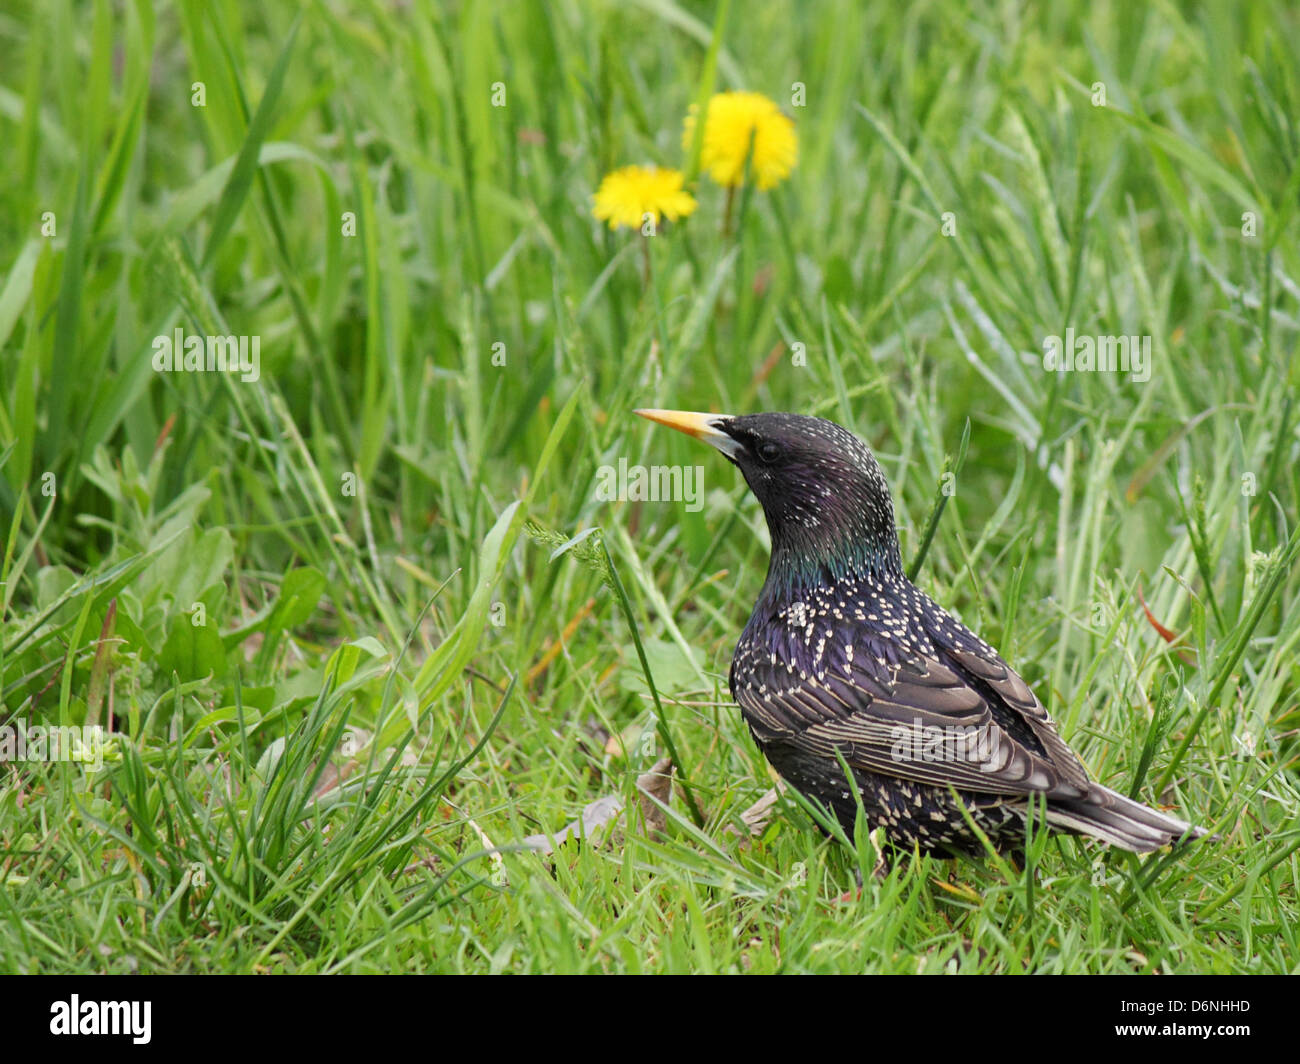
(656, 789)
(758, 815)
(596, 816)
(602, 817)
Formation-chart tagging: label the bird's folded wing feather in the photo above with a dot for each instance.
(883, 719)
(1004, 688)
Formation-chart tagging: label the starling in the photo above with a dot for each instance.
(846, 663)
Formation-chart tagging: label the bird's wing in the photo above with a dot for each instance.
(1003, 688)
(960, 721)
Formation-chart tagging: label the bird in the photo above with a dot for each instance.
(858, 688)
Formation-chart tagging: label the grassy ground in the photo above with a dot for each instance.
(393, 669)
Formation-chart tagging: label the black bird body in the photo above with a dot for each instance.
(843, 657)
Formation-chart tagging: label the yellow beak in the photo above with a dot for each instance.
(701, 426)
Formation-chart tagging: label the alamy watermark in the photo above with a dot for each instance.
(918, 742)
(77, 1017)
(638, 483)
(59, 742)
(1098, 354)
(179, 353)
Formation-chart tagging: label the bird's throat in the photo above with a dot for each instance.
(825, 555)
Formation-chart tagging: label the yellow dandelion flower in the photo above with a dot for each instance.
(627, 195)
(732, 119)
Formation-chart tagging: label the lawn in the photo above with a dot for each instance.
(344, 627)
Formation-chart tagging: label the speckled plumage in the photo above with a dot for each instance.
(844, 657)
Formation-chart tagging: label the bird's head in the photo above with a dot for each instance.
(825, 497)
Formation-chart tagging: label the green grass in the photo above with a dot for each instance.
(395, 676)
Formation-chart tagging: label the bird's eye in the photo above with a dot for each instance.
(768, 451)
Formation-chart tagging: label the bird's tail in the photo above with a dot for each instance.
(1109, 816)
